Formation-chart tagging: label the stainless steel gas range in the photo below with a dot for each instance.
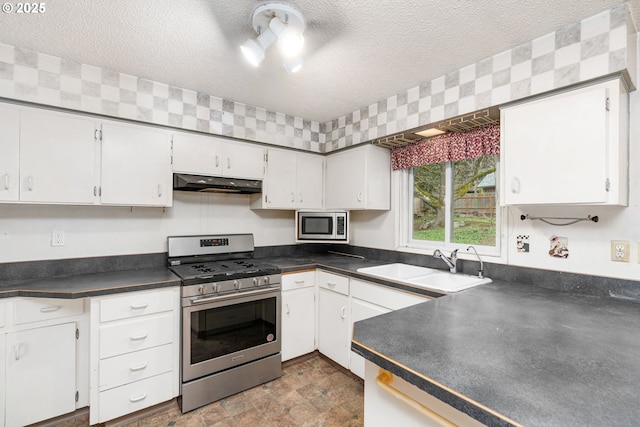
(230, 316)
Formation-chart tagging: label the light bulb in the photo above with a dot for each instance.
(290, 42)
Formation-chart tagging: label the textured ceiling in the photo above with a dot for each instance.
(357, 51)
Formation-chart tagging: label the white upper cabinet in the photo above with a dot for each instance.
(569, 148)
(293, 181)
(136, 165)
(198, 155)
(57, 157)
(359, 178)
(212, 156)
(9, 152)
(242, 160)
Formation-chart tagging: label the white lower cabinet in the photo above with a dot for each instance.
(298, 314)
(43, 369)
(334, 335)
(134, 352)
(41, 374)
(396, 402)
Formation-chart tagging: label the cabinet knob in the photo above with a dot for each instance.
(287, 308)
(17, 349)
(343, 312)
(301, 198)
(6, 181)
(228, 162)
(293, 197)
(159, 190)
(217, 161)
(30, 183)
(359, 197)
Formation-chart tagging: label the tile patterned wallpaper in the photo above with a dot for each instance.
(594, 47)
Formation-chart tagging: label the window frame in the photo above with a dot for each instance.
(406, 215)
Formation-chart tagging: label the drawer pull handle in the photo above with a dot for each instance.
(140, 367)
(139, 337)
(515, 185)
(139, 306)
(217, 161)
(343, 312)
(30, 183)
(50, 309)
(17, 350)
(6, 181)
(299, 282)
(287, 309)
(384, 380)
(138, 398)
(331, 284)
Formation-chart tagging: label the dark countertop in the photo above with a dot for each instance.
(88, 285)
(510, 354)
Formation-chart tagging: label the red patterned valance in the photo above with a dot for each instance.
(450, 147)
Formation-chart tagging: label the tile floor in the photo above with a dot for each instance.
(312, 392)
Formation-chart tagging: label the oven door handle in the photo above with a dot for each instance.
(197, 301)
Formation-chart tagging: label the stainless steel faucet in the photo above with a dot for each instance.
(481, 271)
(450, 261)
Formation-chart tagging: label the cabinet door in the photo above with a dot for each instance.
(197, 154)
(242, 161)
(554, 150)
(9, 152)
(333, 326)
(280, 181)
(57, 160)
(136, 166)
(361, 310)
(298, 322)
(345, 180)
(309, 180)
(41, 374)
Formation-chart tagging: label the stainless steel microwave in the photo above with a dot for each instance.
(325, 226)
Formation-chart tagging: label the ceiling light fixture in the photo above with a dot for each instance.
(276, 21)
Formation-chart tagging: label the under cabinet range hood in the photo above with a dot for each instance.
(215, 184)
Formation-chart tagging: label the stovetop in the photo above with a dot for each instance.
(223, 270)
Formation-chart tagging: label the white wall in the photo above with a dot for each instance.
(25, 230)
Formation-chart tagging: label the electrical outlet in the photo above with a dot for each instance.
(620, 250)
(57, 238)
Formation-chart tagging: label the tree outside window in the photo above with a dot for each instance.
(458, 196)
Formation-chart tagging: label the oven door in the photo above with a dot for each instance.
(226, 331)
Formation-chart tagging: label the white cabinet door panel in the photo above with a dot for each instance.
(57, 157)
(334, 336)
(41, 368)
(555, 149)
(136, 166)
(9, 152)
(243, 161)
(281, 179)
(198, 155)
(309, 179)
(298, 322)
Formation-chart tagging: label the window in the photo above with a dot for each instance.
(453, 203)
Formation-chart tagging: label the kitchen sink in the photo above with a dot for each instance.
(448, 282)
(423, 277)
(397, 271)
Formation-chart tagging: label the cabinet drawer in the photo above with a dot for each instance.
(136, 304)
(38, 309)
(135, 396)
(130, 367)
(333, 282)
(298, 280)
(136, 335)
(3, 314)
(383, 296)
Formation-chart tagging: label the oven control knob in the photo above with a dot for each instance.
(215, 287)
(256, 281)
(202, 289)
(266, 279)
(237, 284)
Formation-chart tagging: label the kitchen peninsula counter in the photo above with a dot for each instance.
(511, 355)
